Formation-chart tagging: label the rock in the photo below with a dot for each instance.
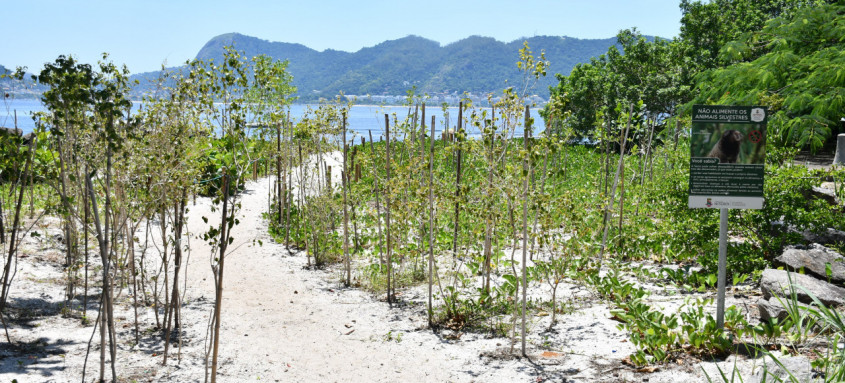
(776, 282)
(772, 309)
(828, 236)
(27, 138)
(4, 131)
(797, 367)
(828, 195)
(814, 260)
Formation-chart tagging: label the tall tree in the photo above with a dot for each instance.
(796, 66)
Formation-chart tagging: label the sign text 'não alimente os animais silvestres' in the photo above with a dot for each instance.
(728, 152)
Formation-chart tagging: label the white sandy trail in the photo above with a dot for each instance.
(282, 322)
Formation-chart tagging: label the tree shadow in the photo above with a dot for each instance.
(36, 357)
(23, 312)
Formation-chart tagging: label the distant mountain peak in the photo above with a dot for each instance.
(477, 64)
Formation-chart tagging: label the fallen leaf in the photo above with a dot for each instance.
(550, 354)
(648, 369)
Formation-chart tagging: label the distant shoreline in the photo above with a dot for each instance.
(30, 96)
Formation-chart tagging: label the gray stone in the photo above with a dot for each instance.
(827, 236)
(827, 195)
(796, 367)
(772, 309)
(4, 131)
(776, 282)
(814, 260)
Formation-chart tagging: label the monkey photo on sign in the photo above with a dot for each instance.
(727, 148)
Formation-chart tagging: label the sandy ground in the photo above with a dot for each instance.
(284, 322)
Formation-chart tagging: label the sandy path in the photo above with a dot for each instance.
(280, 321)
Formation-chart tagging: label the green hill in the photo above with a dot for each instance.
(475, 64)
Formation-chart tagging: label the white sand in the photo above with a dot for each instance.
(281, 322)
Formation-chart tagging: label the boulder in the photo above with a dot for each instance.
(4, 131)
(794, 369)
(776, 282)
(828, 236)
(814, 260)
(772, 309)
(827, 195)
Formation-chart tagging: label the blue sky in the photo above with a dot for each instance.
(145, 34)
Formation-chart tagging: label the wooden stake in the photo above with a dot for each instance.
(458, 183)
(376, 191)
(431, 225)
(344, 185)
(525, 168)
(279, 188)
(488, 237)
(387, 207)
(218, 301)
(609, 207)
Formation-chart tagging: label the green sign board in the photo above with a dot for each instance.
(728, 152)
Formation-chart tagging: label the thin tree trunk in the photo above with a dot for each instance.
(300, 203)
(609, 207)
(130, 233)
(542, 191)
(85, 233)
(621, 205)
(11, 256)
(289, 176)
(218, 299)
(488, 224)
(279, 181)
(2, 226)
(344, 185)
(431, 225)
(377, 192)
(103, 241)
(421, 178)
(172, 317)
(525, 171)
(458, 181)
(645, 162)
(387, 208)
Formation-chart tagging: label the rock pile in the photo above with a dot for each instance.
(815, 270)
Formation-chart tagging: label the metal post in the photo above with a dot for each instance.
(839, 158)
(723, 259)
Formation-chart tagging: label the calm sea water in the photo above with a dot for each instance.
(362, 118)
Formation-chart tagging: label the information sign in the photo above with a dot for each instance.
(728, 152)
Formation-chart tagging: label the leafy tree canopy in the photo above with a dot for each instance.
(795, 65)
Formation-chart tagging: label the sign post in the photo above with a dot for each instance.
(727, 159)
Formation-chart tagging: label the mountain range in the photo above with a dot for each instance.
(475, 64)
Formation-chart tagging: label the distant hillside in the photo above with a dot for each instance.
(19, 89)
(475, 64)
